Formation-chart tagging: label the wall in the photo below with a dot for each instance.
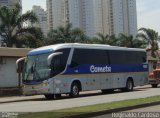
(8, 75)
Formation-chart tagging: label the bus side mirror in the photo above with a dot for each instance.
(20, 64)
(51, 56)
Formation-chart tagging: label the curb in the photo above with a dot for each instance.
(13, 101)
(21, 100)
(105, 112)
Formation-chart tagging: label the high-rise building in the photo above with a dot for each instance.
(9, 3)
(95, 16)
(57, 11)
(42, 19)
(124, 16)
(89, 15)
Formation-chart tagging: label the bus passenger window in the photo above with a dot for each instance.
(144, 59)
(57, 65)
(89, 56)
(59, 62)
(74, 64)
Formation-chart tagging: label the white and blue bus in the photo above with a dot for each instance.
(71, 68)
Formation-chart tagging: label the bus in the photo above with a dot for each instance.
(72, 68)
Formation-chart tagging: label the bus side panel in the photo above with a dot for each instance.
(106, 81)
(62, 83)
(140, 79)
(119, 80)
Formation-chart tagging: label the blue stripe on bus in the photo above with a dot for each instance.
(32, 83)
(39, 52)
(86, 69)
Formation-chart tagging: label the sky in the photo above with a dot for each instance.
(148, 12)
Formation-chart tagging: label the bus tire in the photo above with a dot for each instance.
(49, 96)
(75, 88)
(52, 96)
(129, 85)
(104, 91)
(154, 85)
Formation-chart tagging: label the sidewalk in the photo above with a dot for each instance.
(19, 98)
(28, 98)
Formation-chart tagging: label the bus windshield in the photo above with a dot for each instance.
(36, 68)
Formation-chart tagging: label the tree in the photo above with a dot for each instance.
(151, 37)
(101, 38)
(113, 40)
(66, 34)
(130, 42)
(30, 40)
(104, 39)
(78, 36)
(11, 25)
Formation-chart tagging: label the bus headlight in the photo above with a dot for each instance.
(45, 83)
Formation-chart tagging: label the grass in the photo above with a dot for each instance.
(91, 108)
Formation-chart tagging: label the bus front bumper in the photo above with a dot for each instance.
(38, 89)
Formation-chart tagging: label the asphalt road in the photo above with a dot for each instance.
(95, 97)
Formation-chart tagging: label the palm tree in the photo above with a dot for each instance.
(11, 25)
(102, 39)
(130, 42)
(151, 37)
(78, 36)
(113, 40)
(66, 34)
(105, 39)
(30, 40)
(54, 37)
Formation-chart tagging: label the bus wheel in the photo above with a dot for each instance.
(52, 96)
(129, 85)
(104, 91)
(49, 96)
(58, 95)
(154, 85)
(74, 90)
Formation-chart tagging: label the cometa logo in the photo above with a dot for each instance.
(94, 69)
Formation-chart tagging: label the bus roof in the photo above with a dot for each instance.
(51, 48)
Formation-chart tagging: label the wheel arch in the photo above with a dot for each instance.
(78, 82)
(131, 78)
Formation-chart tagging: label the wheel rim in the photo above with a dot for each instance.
(75, 90)
(130, 86)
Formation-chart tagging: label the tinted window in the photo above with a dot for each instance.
(59, 62)
(127, 57)
(89, 56)
(65, 54)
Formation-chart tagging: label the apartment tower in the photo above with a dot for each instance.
(57, 11)
(42, 18)
(95, 16)
(124, 16)
(10, 2)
